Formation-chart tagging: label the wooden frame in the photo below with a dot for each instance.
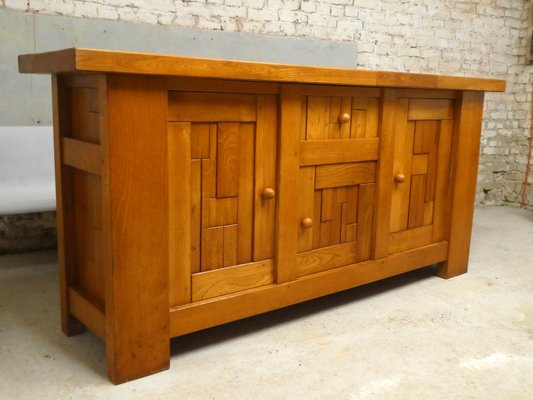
(315, 152)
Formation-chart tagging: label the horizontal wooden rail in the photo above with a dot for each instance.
(228, 280)
(88, 311)
(316, 152)
(81, 155)
(205, 314)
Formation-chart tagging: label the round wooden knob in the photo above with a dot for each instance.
(344, 118)
(268, 193)
(400, 178)
(307, 222)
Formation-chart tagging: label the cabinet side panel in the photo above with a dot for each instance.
(77, 123)
(67, 272)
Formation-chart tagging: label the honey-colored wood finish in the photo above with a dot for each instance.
(137, 282)
(92, 60)
(192, 192)
(465, 152)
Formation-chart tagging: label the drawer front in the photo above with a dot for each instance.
(226, 145)
(423, 130)
(338, 155)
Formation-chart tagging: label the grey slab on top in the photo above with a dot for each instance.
(26, 98)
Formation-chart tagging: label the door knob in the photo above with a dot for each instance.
(268, 193)
(344, 118)
(400, 178)
(307, 222)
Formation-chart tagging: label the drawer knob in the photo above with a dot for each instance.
(268, 193)
(307, 222)
(344, 118)
(400, 178)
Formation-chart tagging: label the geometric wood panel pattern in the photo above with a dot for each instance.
(422, 146)
(321, 121)
(232, 160)
(336, 198)
(222, 161)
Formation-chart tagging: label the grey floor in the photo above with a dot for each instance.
(409, 337)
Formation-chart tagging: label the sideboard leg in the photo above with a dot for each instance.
(136, 227)
(463, 180)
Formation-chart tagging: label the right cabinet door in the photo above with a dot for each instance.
(421, 136)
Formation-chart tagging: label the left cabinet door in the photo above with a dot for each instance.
(222, 193)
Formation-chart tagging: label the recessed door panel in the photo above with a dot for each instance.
(422, 143)
(232, 182)
(339, 145)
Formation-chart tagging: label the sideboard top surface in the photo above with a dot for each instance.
(93, 60)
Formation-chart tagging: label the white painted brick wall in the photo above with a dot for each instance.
(473, 38)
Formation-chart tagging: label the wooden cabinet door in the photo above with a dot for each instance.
(338, 149)
(222, 172)
(422, 138)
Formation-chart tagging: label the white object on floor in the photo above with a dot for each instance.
(26, 169)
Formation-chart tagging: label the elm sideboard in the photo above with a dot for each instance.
(193, 192)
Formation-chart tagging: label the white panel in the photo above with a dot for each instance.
(26, 169)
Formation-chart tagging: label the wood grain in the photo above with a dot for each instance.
(385, 173)
(211, 312)
(306, 195)
(365, 221)
(88, 310)
(287, 214)
(410, 239)
(196, 214)
(65, 212)
(137, 301)
(318, 260)
(430, 109)
(179, 213)
(245, 200)
(440, 209)
(228, 160)
(465, 150)
(211, 107)
(230, 245)
(212, 248)
(365, 117)
(78, 59)
(417, 201)
(230, 280)
(348, 174)
(200, 141)
(338, 151)
(265, 177)
(403, 149)
(419, 165)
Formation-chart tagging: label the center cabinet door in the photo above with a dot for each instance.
(336, 133)
(222, 182)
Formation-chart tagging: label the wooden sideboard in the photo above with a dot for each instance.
(194, 192)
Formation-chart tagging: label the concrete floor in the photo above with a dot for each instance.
(411, 337)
